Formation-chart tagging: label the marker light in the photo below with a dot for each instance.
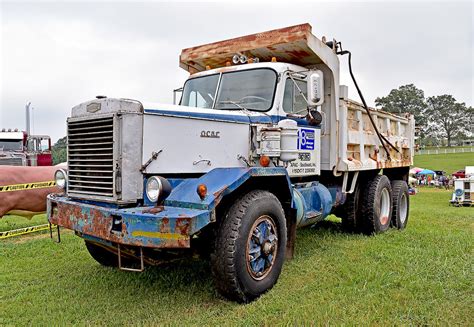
(274, 59)
(60, 177)
(202, 191)
(235, 59)
(264, 161)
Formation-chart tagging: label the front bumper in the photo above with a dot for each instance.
(160, 227)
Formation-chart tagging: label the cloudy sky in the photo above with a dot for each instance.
(58, 54)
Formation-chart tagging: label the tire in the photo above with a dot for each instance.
(101, 255)
(401, 204)
(108, 258)
(244, 267)
(376, 206)
(351, 217)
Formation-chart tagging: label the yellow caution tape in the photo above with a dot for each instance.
(28, 186)
(22, 231)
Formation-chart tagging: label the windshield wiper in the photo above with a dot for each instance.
(235, 103)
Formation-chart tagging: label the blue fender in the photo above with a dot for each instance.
(219, 182)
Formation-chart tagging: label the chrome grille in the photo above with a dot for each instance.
(91, 157)
(11, 161)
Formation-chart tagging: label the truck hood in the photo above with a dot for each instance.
(111, 105)
(238, 116)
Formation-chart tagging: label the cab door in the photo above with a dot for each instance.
(294, 106)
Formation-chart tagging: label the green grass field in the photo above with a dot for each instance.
(14, 222)
(421, 276)
(447, 162)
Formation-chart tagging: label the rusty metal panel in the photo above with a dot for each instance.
(361, 148)
(162, 227)
(294, 44)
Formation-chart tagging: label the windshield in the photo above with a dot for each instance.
(8, 145)
(248, 89)
(200, 92)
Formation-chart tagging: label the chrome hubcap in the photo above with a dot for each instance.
(403, 208)
(384, 207)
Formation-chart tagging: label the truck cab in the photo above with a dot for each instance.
(264, 140)
(12, 148)
(17, 148)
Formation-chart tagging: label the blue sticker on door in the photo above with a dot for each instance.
(306, 139)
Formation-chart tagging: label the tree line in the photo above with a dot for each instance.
(439, 119)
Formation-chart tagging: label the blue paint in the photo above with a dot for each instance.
(183, 214)
(306, 139)
(219, 182)
(313, 203)
(177, 222)
(260, 261)
(99, 203)
(173, 181)
(263, 119)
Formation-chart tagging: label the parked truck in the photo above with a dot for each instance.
(463, 194)
(18, 148)
(264, 140)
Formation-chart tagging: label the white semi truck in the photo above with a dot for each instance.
(263, 141)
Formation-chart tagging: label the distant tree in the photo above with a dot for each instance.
(448, 118)
(59, 151)
(407, 98)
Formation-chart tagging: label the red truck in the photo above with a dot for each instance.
(18, 148)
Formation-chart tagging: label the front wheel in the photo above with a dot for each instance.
(249, 249)
(108, 256)
(102, 255)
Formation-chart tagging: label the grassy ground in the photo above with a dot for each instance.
(14, 222)
(421, 276)
(447, 162)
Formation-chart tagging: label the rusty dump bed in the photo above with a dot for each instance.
(294, 44)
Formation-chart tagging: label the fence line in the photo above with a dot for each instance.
(445, 151)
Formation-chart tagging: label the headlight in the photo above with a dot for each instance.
(157, 188)
(60, 177)
(153, 188)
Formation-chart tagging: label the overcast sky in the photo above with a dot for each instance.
(57, 55)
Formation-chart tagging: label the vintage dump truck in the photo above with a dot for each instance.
(264, 140)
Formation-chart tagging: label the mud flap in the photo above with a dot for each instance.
(291, 233)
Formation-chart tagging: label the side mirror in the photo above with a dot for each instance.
(315, 88)
(314, 117)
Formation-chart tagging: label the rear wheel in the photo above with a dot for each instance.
(351, 217)
(401, 204)
(250, 245)
(376, 209)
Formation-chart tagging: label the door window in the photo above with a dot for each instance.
(293, 101)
